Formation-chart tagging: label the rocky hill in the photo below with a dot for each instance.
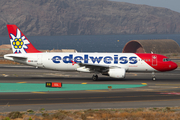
(86, 17)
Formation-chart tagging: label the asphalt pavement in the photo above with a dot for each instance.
(161, 93)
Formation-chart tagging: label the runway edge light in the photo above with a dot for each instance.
(54, 84)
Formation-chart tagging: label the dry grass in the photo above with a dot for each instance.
(105, 114)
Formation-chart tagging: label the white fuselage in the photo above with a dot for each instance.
(62, 61)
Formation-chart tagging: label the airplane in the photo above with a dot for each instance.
(114, 65)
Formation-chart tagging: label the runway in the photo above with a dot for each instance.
(163, 92)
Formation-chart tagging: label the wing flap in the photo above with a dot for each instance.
(93, 65)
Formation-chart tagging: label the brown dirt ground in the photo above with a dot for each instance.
(165, 113)
(8, 62)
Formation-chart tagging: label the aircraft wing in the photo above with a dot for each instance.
(97, 67)
(93, 65)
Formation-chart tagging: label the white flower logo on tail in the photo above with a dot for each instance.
(19, 43)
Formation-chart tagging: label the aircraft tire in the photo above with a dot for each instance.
(95, 77)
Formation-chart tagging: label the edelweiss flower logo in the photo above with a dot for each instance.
(19, 42)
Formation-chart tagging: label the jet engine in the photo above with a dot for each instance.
(83, 69)
(117, 73)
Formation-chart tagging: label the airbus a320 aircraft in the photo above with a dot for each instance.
(114, 65)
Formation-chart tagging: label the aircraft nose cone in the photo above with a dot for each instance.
(174, 66)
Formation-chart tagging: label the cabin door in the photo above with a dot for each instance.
(39, 61)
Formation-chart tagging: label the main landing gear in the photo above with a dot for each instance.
(153, 76)
(95, 77)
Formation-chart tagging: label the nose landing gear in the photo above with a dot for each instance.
(153, 76)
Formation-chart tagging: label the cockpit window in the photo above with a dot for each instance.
(166, 59)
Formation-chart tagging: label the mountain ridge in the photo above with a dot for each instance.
(86, 17)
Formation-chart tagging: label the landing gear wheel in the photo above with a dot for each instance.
(153, 76)
(95, 77)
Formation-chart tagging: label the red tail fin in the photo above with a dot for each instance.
(19, 42)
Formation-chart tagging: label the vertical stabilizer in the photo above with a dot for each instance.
(19, 42)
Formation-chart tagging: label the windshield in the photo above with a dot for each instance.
(166, 59)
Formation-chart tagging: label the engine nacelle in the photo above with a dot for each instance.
(117, 73)
(83, 69)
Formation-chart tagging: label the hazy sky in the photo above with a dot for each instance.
(171, 4)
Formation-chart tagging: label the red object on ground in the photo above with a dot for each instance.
(56, 84)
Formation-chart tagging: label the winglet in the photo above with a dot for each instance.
(19, 42)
